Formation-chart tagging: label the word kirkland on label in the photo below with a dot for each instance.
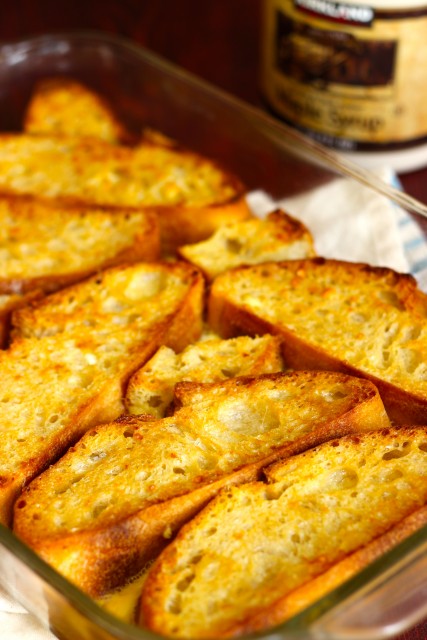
(337, 11)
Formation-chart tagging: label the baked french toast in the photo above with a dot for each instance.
(240, 558)
(62, 106)
(151, 389)
(99, 494)
(68, 373)
(121, 299)
(115, 499)
(46, 246)
(191, 195)
(342, 316)
(277, 237)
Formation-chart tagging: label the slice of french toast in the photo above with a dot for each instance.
(363, 320)
(64, 106)
(124, 298)
(117, 497)
(69, 373)
(191, 195)
(339, 573)
(151, 388)
(47, 246)
(255, 544)
(277, 237)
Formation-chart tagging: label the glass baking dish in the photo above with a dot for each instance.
(147, 91)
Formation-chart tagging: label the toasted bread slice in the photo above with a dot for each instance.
(121, 299)
(64, 106)
(151, 389)
(47, 246)
(113, 501)
(365, 321)
(70, 373)
(255, 544)
(277, 237)
(191, 195)
(306, 595)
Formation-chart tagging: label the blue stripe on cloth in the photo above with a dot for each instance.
(418, 266)
(413, 243)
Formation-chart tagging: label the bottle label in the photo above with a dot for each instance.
(351, 75)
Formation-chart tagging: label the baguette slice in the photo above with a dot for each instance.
(47, 246)
(151, 388)
(362, 320)
(126, 299)
(66, 378)
(64, 106)
(254, 545)
(277, 237)
(115, 499)
(191, 195)
(334, 577)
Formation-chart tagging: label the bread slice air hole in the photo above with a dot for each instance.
(228, 373)
(185, 582)
(155, 401)
(115, 471)
(393, 454)
(174, 605)
(99, 508)
(342, 479)
(61, 490)
(196, 559)
(233, 245)
(274, 491)
(389, 297)
(97, 455)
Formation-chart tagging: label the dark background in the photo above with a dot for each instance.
(219, 40)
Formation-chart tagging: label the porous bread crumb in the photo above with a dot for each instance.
(370, 318)
(256, 543)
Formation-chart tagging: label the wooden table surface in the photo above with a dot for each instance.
(218, 40)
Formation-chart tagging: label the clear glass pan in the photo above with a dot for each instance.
(266, 154)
